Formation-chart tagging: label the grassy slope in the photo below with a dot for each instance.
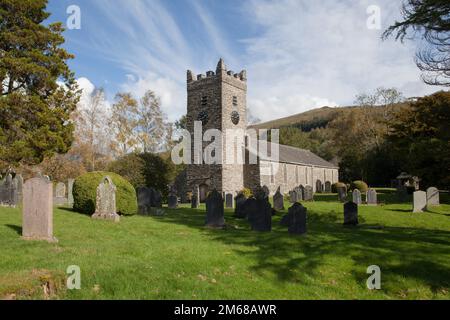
(174, 257)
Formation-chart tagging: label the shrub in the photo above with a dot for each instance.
(337, 185)
(85, 193)
(246, 192)
(360, 185)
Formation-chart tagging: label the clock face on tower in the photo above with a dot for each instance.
(203, 117)
(235, 117)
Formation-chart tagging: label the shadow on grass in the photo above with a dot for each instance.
(399, 251)
(17, 229)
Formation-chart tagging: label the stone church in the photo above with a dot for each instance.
(219, 101)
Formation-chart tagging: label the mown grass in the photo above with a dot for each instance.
(175, 257)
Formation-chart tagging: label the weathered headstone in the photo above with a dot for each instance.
(357, 197)
(144, 199)
(214, 210)
(156, 199)
(295, 220)
(228, 200)
(172, 201)
(308, 194)
(350, 213)
(7, 191)
(195, 200)
(260, 216)
(266, 191)
(278, 200)
(37, 220)
(433, 196)
(293, 196)
(300, 193)
(70, 183)
(60, 194)
(419, 201)
(239, 211)
(371, 197)
(105, 206)
(342, 194)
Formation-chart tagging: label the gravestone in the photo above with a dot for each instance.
(300, 193)
(350, 213)
(266, 191)
(156, 199)
(105, 206)
(342, 194)
(17, 189)
(70, 183)
(144, 200)
(172, 201)
(278, 201)
(419, 201)
(308, 194)
(214, 210)
(295, 220)
(60, 194)
(239, 211)
(229, 200)
(293, 196)
(260, 215)
(7, 191)
(357, 197)
(371, 197)
(37, 213)
(433, 196)
(195, 199)
(328, 187)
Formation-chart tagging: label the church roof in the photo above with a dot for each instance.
(294, 155)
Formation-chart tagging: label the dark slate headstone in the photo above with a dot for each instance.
(260, 217)
(266, 191)
(357, 197)
(10, 190)
(156, 199)
(144, 199)
(308, 194)
(293, 196)
(248, 208)
(350, 213)
(172, 201)
(295, 220)
(195, 200)
(214, 210)
(342, 194)
(228, 200)
(239, 201)
(278, 200)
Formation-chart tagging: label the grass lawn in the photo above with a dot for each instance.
(175, 257)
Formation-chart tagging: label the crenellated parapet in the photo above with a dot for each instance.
(222, 74)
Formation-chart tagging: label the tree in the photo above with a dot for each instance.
(420, 135)
(38, 91)
(124, 123)
(431, 20)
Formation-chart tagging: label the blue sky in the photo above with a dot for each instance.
(299, 54)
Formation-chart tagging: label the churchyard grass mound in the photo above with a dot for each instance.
(176, 257)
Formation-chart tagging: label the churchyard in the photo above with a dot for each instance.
(174, 255)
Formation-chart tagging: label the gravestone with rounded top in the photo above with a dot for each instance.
(172, 201)
(37, 212)
(214, 210)
(433, 196)
(239, 211)
(60, 194)
(278, 201)
(260, 216)
(357, 197)
(342, 194)
(350, 213)
(295, 220)
(371, 197)
(419, 201)
(105, 206)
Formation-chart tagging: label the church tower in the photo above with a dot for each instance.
(219, 101)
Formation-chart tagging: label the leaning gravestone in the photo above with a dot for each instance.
(342, 194)
(433, 196)
(214, 210)
(278, 201)
(195, 198)
(60, 194)
(350, 213)
(239, 211)
(172, 201)
(260, 216)
(37, 221)
(105, 206)
(228, 200)
(70, 183)
(420, 201)
(371, 197)
(308, 194)
(144, 199)
(357, 197)
(295, 220)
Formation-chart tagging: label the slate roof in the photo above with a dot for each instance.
(294, 155)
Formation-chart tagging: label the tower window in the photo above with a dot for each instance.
(235, 102)
(204, 100)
